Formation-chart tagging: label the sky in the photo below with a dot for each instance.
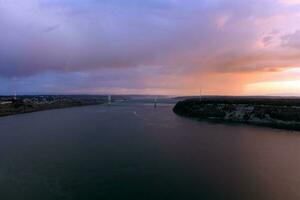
(164, 47)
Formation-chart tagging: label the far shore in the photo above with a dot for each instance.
(45, 109)
(28, 104)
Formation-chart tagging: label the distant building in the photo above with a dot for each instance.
(5, 102)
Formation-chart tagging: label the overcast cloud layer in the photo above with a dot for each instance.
(149, 46)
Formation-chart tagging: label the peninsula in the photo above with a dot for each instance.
(275, 112)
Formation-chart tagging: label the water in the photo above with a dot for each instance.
(133, 151)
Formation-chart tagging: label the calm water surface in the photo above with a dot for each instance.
(133, 151)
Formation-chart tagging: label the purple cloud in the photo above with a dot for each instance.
(109, 37)
(292, 40)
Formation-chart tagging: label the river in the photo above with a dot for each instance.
(133, 151)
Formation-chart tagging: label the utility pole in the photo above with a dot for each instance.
(200, 95)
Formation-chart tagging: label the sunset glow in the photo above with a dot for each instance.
(284, 83)
(275, 88)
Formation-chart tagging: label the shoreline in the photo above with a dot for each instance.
(28, 104)
(46, 109)
(281, 113)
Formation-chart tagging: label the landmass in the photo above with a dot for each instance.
(10, 105)
(275, 112)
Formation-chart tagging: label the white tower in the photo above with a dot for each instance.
(155, 102)
(109, 99)
(15, 96)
